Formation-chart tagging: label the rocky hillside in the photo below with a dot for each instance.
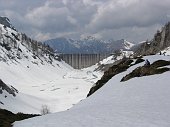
(160, 41)
(15, 45)
(88, 45)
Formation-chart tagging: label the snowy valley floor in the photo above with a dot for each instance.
(138, 102)
(58, 87)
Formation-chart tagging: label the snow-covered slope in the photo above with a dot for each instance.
(88, 45)
(39, 76)
(128, 45)
(115, 57)
(166, 51)
(138, 102)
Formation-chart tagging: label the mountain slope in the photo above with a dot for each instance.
(38, 74)
(88, 45)
(160, 41)
(138, 102)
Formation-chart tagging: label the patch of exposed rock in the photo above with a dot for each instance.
(117, 68)
(158, 67)
(160, 41)
(10, 90)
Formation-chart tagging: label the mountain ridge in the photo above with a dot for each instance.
(88, 45)
(160, 41)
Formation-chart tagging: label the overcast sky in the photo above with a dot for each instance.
(133, 20)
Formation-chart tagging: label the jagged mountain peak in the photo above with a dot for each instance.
(6, 22)
(92, 38)
(128, 45)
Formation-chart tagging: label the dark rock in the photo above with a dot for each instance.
(7, 117)
(148, 70)
(123, 65)
(160, 41)
(1, 103)
(139, 60)
(11, 90)
(6, 22)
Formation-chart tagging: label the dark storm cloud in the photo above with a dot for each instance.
(135, 20)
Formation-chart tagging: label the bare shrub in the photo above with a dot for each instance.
(45, 110)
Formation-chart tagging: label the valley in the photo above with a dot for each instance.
(85, 82)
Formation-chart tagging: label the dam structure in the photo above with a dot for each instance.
(79, 61)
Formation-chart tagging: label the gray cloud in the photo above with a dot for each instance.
(129, 13)
(135, 20)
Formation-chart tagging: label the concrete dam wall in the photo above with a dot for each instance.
(79, 61)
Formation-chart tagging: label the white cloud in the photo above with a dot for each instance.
(75, 18)
(42, 16)
(71, 20)
(127, 13)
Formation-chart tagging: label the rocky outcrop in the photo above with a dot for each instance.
(6, 22)
(117, 67)
(160, 41)
(10, 90)
(123, 65)
(156, 68)
(7, 117)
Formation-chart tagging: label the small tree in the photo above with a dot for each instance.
(45, 110)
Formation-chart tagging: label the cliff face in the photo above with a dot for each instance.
(160, 41)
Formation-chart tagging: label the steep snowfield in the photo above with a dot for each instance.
(40, 79)
(139, 102)
(113, 58)
(128, 45)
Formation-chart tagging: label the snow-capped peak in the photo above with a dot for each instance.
(128, 45)
(88, 38)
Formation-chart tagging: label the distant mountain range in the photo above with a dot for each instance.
(88, 45)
